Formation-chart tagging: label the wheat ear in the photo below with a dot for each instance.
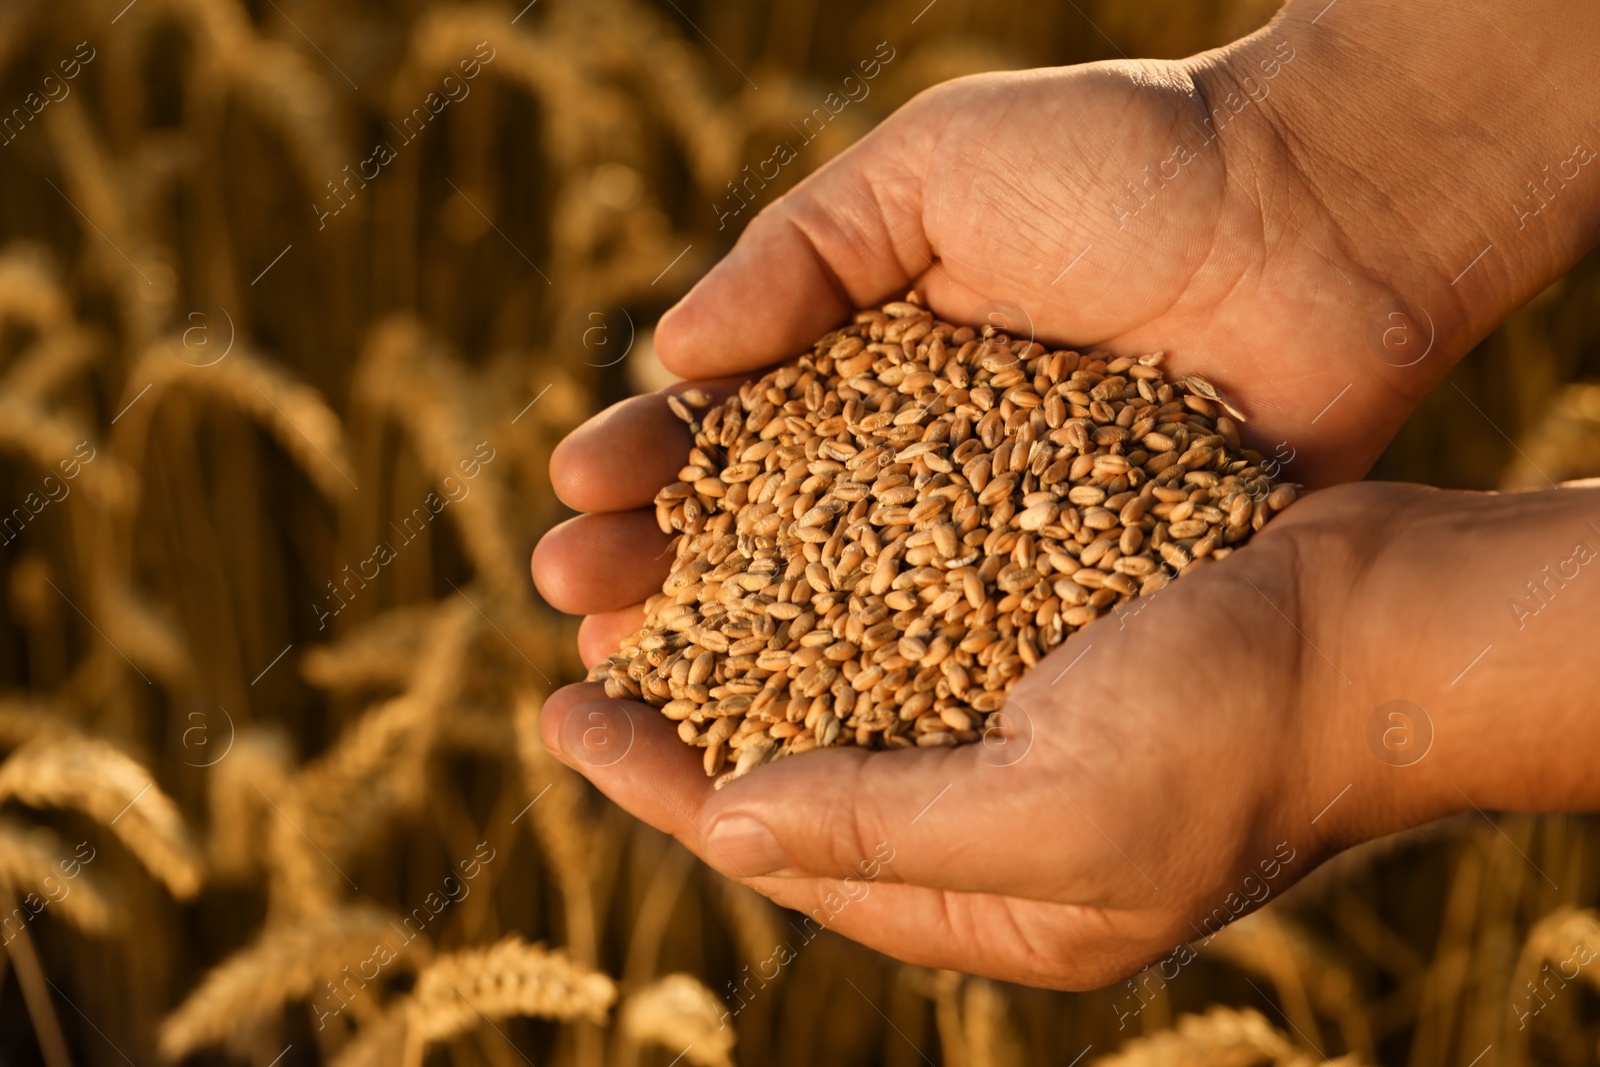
(681, 1015)
(104, 783)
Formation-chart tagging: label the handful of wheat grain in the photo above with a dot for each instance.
(877, 539)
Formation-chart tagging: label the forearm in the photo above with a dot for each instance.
(1454, 146)
(1481, 610)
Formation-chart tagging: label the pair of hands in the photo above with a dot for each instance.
(1166, 754)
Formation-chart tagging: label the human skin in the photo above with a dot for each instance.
(1361, 181)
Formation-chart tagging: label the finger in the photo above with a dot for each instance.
(632, 754)
(622, 457)
(846, 236)
(968, 819)
(1060, 946)
(599, 563)
(601, 635)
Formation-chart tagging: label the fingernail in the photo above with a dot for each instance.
(747, 846)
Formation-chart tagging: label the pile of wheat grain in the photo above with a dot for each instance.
(878, 539)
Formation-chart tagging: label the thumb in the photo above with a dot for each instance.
(844, 237)
(968, 819)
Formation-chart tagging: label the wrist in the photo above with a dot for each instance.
(1462, 196)
(1468, 690)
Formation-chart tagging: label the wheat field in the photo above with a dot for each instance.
(295, 300)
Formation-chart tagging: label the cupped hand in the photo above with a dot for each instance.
(1158, 775)
(1028, 200)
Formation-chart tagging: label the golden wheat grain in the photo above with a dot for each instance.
(306, 959)
(40, 874)
(458, 990)
(681, 1015)
(101, 781)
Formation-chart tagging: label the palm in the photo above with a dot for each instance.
(1007, 196)
(1049, 868)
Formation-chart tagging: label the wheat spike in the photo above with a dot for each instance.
(405, 375)
(296, 415)
(47, 438)
(144, 285)
(101, 781)
(278, 84)
(1566, 934)
(681, 1015)
(256, 767)
(1305, 975)
(379, 1043)
(374, 769)
(1222, 1037)
(22, 720)
(381, 652)
(34, 869)
(289, 961)
(458, 990)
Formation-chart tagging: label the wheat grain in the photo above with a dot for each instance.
(876, 540)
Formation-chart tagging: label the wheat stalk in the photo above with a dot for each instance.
(101, 781)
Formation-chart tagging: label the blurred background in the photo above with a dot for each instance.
(275, 414)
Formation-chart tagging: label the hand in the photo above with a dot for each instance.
(940, 197)
(1271, 261)
(1162, 779)
(948, 195)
